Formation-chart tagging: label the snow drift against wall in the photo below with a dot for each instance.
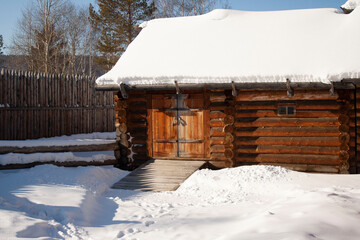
(316, 45)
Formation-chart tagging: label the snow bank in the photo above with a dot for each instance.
(315, 45)
(19, 158)
(351, 4)
(76, 139)
(253, 202)
(235, 184)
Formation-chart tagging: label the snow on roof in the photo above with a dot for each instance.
(351, 4)
(315, 45)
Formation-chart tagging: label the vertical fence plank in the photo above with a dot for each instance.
(36, 105)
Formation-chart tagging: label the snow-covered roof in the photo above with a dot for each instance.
(315, 45)
(351, 5)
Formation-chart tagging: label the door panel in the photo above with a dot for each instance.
(191, 133)
(178, 125)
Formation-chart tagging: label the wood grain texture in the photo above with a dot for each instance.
(159, 175)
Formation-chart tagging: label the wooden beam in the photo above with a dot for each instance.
(177, 88)
(234, 92)
(113, 87)
(123, 91)
(332, 89)
(290, 91)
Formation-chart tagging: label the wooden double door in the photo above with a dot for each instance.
(179, 124)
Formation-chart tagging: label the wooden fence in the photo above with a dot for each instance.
(34, 105)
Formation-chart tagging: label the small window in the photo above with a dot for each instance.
(286, 110)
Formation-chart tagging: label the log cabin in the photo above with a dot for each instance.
(239, 88)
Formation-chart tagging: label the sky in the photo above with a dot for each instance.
(11, 10)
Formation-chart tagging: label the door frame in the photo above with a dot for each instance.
(206, 122)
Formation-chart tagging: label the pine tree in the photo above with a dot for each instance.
(118, 22)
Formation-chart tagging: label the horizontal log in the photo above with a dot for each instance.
(230, 128)
(216, 123)
(139, 140)
(344, 138)
(290, 141)
(345, 128)
(217, 149)
(343, 119)
(121, 112)
(344, 156)
(123, 127)
(279, 149)
(288, 132)
(138, 150)
(134, 125)
(73, 148)
(217, 108)
(218, 164)
(138, 105)
(286, 122)
(300, 105)
(270, 95)
(217, 132)
(136, 92)
(289, 158)
(217, 97)
(230, 110)
(229, 138)
(274, 113)
(137, 116)
(137, 111)
(218, 157)
(217, 141)
(229, 153)
(217, 115)
(137, 98)
(138, 132)
(140, 156)
(229, 120)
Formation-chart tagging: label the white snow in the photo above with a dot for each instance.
(254, 202)
(351, 4)
(76, 139)
(314, 45)
(20, 158)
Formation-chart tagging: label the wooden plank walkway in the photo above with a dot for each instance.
(159, 175)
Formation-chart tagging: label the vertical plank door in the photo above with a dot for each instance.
(164, 128)
(191, 125)
(178, 125)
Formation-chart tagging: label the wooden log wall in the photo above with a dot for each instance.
(222, 129)
(247, 129)
(131, 129)
(36, 105)
(355, 132)
(315, 139)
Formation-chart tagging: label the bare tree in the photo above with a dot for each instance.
(55, 37)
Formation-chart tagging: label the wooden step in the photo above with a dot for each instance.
(159, 175)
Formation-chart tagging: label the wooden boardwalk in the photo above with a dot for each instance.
(159, 175)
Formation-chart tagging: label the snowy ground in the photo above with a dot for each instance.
(259, 202)
(76, 139)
